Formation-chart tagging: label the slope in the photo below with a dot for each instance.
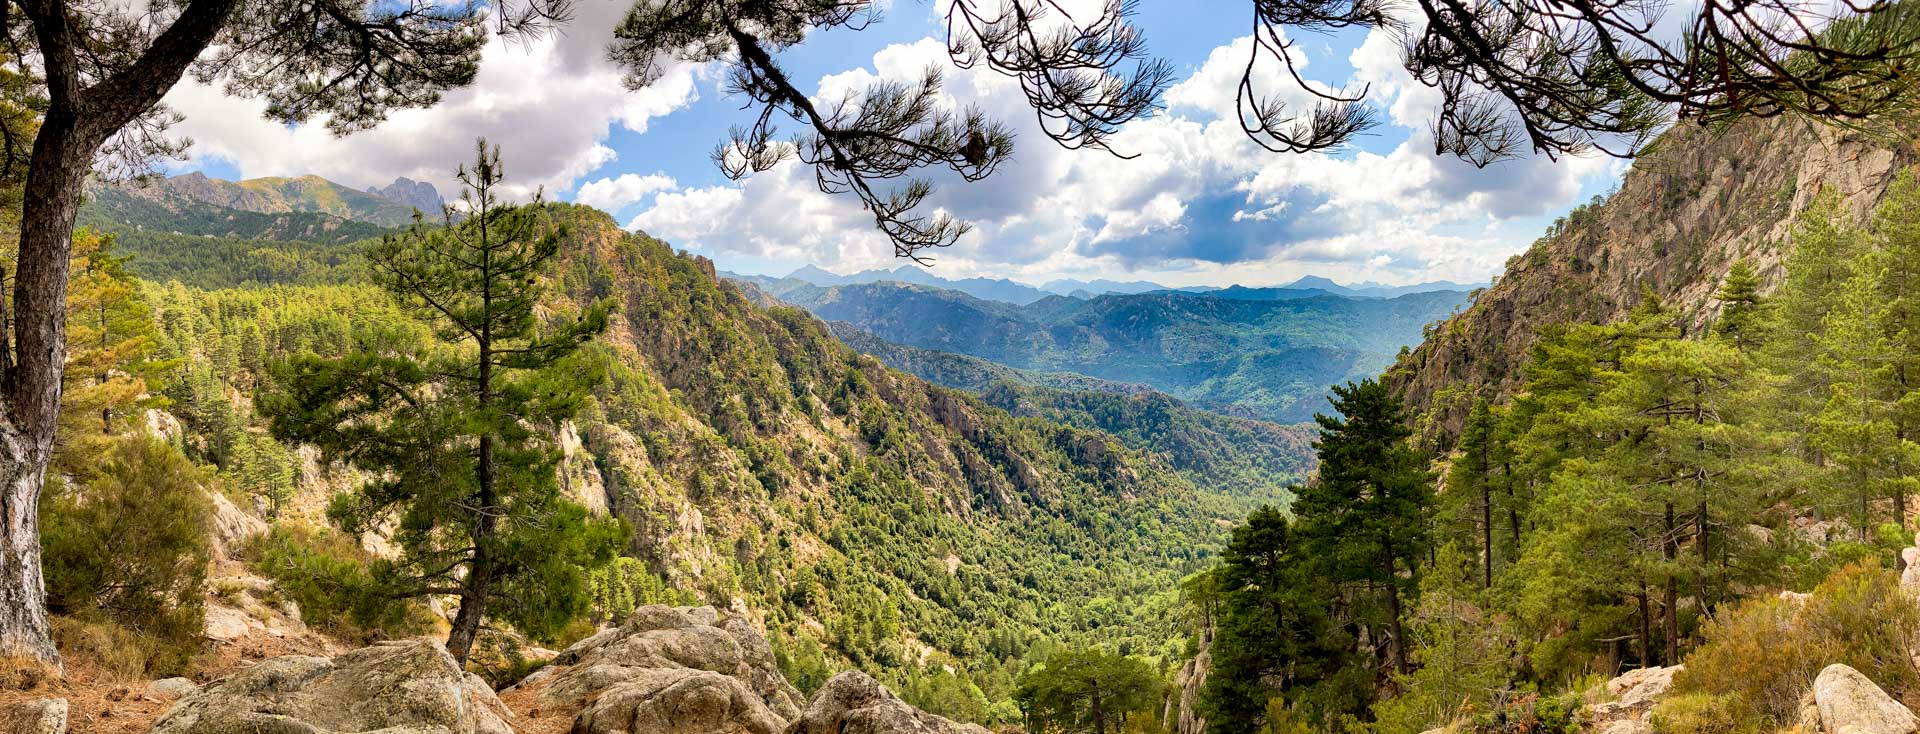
(1684, 214)
(1264, 358)
(896, 525)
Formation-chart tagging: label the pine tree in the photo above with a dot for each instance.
(1365, 517)
(1742, 322)
(112, 370)
(1472, 478)
(1896, 228)
(1854, 427)
(458, 436)
(1277, 638)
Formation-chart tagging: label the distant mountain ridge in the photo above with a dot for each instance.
(1270, 358)
(417, 194)
(1021, 294)
(284, 195)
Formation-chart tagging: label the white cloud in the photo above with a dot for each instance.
(620, 192)
(1195, 202)
(549, 104)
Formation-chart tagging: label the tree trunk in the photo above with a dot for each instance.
(28, 418)
(24, 631)
(1646, 627)
(1669, 595)
(473, 608)
(1486, 532)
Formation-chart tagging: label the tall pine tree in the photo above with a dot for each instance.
(458, 433)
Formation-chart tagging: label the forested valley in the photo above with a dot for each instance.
(280, 455)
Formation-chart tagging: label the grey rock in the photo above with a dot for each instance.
(403, 687)
(853, 703)
(167, 689)
(38, 716)
(1849, 703)
(662, 658)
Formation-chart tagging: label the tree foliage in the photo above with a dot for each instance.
(457, 433)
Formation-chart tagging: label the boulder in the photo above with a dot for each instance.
(402, 687)
(167, 689)
(853, 703)
(38, 716)
(678, 701)
(1634, 694)
(704, 670)
(1848, 703)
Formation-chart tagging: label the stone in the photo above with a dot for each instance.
(1849, 703)
(38, 716)
(678, 701)
(714, 668)
(167, 689)
(854, 703)
(401, 687)
(1634, 694)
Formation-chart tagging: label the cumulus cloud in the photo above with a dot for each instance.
(550, 104)
(620, 192)
(1194, 201)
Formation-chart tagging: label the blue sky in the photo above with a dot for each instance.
(1200, 205)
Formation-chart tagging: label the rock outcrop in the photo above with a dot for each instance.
(38, 716)
(1630, 698)
(1846, 702)
(692, 670)
(404, 687)
(1682, 216)
(853, 703)
(1181, 714)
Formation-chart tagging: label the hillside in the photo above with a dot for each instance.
(1266, 358)
(1682, 216)
(279, 195)
(1245, 458)
(895, 525)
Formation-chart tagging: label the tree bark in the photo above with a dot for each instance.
(77, 122)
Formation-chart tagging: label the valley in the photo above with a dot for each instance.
(538, 367)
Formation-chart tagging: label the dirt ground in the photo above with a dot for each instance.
(101, 701)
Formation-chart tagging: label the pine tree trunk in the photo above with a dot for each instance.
(24, 631)
(28, 418)
(1486, 532)
(1646, 627)
(1669, 595)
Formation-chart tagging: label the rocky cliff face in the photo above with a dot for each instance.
(417, 194)
(1684, 214)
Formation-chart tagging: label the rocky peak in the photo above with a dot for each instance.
(417, 194)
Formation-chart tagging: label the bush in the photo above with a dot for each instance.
(123, 652)
(1764, 653)
(327, 574)
(130, 546)
(1699, 713)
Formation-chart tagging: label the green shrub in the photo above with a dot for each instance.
(1764, 653)
(327, 574)
(130, 547)
(1699, 713)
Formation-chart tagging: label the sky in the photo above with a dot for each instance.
(1196, 204)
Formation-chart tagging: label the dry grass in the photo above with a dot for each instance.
(103, 698)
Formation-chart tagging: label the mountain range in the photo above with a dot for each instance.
(1015, 292)
(1263, 357)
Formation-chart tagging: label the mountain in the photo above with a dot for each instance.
(888, 523)
(1263, 358)
(1701, 200)
(129, 209)
(992, 289)
(417, 194)
(275, 195)
(1373, 290)
(1243, 457)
